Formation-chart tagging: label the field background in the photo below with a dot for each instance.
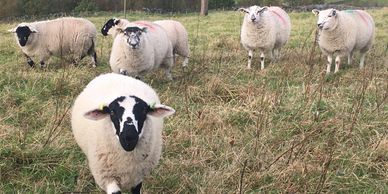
(286, 129)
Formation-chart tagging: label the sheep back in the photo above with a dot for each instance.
(177, 34)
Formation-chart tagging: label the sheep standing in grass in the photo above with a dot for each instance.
(342, 33)
(142, 47)
(176, 32)
(117, 121)
(266, 29)
(179, 38)
(68, 37)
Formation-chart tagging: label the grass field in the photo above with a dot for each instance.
(286, 129)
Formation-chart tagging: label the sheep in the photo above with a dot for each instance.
(266, 29)
(117, 122)
(68, 36)
(142, 47)
(176, 32)
(179, 38)
(342, 33)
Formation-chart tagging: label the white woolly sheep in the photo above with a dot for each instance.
(342, 33)
(176, 32)
(142, 47)
(68, 37)
(179, 38)
(117, 121)
(266, 29)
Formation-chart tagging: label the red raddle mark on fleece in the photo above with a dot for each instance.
(150, 26)
(363, 17)
(279, 16)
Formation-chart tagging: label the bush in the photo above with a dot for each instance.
(86, 5)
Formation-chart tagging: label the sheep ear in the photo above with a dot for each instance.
(315, 12)
(32, 29)
(97, 114)
(116, 21)
(263, 9)
(160, 110)
(333, 12)
(13, 29)
(243, 10)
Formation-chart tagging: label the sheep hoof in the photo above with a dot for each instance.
(123, 72)
(42, 65)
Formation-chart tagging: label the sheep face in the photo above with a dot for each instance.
(133, 36)
(327, 19)
(108, 25)
(253, 13)
(23, 32)
(128, 114)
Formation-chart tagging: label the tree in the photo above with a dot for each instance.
(204, 7)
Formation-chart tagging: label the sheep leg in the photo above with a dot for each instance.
(94, 59)
(42, 61)
(168, 73)
(262, 57)
(167, 65)
(350, 58)
(275, 54)
(337, 63)
(42, 64)
(30, 61)
(250, 56)
(362, 60)
(113, 188)
(329, 61)
(136, 190)
(185, 62)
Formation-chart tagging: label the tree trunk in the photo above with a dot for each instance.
(204, 7)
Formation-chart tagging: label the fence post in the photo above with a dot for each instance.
(125, 7)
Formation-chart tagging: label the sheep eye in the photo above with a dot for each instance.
(112, 113)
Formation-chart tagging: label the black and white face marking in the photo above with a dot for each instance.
(23, 33)
(128, 115)
(133, 36)
(108, 25)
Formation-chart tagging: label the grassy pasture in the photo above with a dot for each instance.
(286, 129)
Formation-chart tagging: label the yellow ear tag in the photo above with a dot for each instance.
(101, 107)
(152, 105)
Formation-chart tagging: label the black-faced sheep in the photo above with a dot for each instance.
(117, 121)
(69, 37)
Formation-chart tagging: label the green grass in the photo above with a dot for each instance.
(288, 128)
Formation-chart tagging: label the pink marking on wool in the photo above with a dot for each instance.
(362, 15)
(149, 25)
(280, 17)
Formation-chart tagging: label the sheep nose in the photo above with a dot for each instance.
(320, 25)
(253, 18)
